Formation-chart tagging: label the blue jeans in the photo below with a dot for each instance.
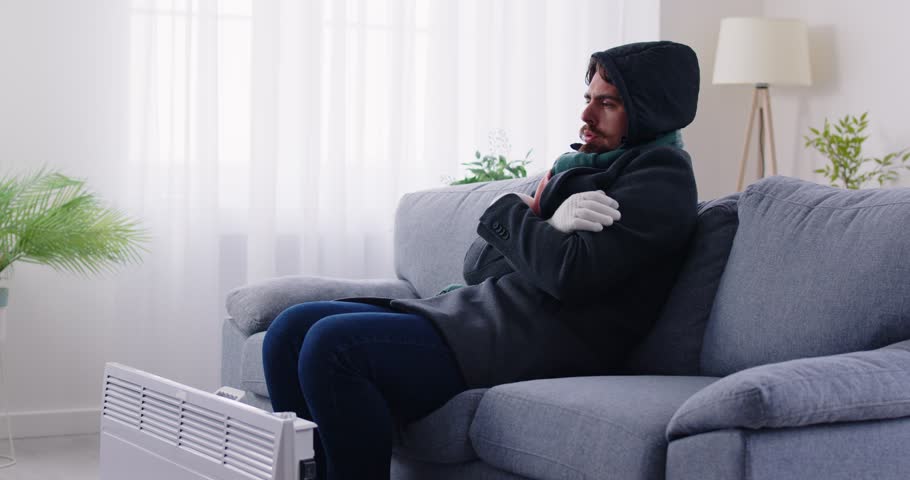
(356, 370)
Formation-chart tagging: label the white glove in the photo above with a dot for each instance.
(588, 211)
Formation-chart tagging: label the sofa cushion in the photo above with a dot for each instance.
(442, 436)
(252, 375)
(443, 220)
(582, 427)
(673, 346)
(814, 270)
(404, 468)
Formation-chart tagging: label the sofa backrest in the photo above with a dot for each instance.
(674, 344)
(434, 228)
(814, 270)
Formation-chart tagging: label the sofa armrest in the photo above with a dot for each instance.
(254, 306)
(868, 385)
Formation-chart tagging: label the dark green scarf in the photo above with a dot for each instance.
(603, 160)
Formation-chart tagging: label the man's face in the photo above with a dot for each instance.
(604, 116)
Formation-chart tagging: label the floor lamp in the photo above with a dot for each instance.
(761, 52)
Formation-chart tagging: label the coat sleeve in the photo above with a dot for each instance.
(657, 199)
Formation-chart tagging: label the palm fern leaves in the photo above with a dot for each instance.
(50, 219)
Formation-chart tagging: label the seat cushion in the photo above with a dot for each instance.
(814, 270)
(673, 346)
(251, 374)
(582, 427)
(407, 469)
(442, 436)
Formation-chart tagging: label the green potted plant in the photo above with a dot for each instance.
(842, 144)
(494, 165)
(488, 168)
(50, 219)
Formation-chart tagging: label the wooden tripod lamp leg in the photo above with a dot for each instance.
(769, 128)
(742, 164)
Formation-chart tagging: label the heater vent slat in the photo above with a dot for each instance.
(112, 395)
(153, 403)
(121, 391)
(119, 382)
(131, 421)
(157, 409)
(218, 422)
(202, 412)
(191, 424)
(238, 429)
(249, 467)
(169, 437)
(247, 453)
(246, 437)
(132, 415)
(166, 399)
(233, 440)
(128, 408)
(264, 434)
(217, 444)
(241, 454)
(167, 425)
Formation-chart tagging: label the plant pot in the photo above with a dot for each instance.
(10, 459)
(4, 301)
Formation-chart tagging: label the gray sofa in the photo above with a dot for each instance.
(781, 352)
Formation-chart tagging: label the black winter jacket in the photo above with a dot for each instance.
(576, 303)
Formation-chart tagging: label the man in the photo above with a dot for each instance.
(553, 293)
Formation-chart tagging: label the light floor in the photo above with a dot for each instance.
(53, 458)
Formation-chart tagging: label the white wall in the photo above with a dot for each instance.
(858, 55)
(859, 63)
(715, 138)
(62, 90)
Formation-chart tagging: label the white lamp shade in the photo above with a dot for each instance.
(769, 51)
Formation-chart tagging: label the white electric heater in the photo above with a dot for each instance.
(157, 429)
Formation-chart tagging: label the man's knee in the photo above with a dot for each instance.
(298, 318)
(292, 325)
(324, 341)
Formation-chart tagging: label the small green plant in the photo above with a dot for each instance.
(843, 146)
(494, 167)
(51, 219)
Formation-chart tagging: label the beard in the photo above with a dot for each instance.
(594, 146)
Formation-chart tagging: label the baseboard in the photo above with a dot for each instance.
(51, 423)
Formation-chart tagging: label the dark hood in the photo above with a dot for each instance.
(658, 82)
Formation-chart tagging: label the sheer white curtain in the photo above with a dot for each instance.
(274, 137)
